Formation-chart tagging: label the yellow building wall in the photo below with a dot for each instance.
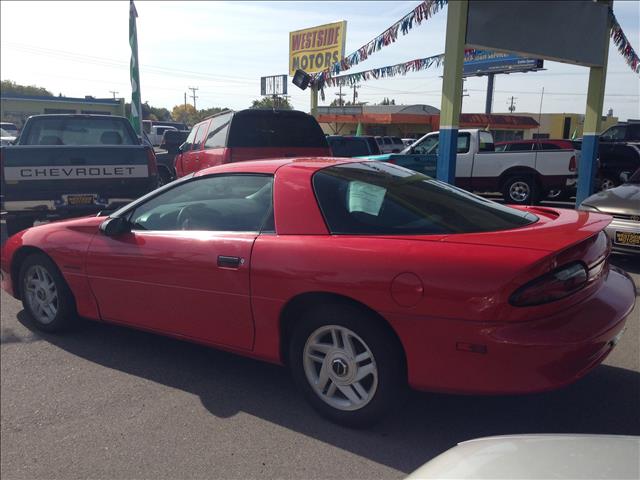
(18, 110)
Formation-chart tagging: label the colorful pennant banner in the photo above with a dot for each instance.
(422, 12)
(382, 72)
(416, 16)
(624, 46)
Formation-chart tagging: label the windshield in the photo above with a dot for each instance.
(377, 198)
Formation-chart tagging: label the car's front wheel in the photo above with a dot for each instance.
(45, 294)
(350, 368)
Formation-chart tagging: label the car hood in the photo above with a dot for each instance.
(537, 456)
(624, 199)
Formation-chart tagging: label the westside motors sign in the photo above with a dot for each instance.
(317, 48)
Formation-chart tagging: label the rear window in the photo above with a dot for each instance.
(80, 131)
(348, 147)
(260, 128)
(376, 198)
(550, 146)
(520, 147)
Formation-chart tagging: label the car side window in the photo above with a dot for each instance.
(232, 202)
(217, 136)
(427, 146)
(188, 143)
(202, 131)
(613, 134)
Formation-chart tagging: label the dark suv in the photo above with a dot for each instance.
(350, 146)
(249, 135)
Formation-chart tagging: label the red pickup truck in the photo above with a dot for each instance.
(248, 135)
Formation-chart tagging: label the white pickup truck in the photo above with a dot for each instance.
(522, 177)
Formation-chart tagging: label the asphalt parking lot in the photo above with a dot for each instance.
(108, 402)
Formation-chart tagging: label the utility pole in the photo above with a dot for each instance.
(114, 93)
(489, 101)
(193, 95)
(355, 93)
(340, 95)
(512, 106)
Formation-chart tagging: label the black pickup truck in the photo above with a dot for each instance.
(70, 165)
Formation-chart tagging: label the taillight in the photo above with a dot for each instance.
(572, 164)
(552, 286)
(152, 164)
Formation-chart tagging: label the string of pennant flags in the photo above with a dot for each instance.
(391, 71)
(624, 46)
(422, 12)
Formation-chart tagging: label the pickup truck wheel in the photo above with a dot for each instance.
(45, 294)
(520, 190)
(346, 365)
(16, 225)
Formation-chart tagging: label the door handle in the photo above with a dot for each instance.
(229, 262)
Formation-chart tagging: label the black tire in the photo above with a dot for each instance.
(387, 354)
(514, 189)
(65, 304)
(15, 225)
(164, 177)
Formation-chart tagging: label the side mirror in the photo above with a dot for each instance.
(115, 226)
(624, 177)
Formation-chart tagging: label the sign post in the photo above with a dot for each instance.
(314, 101)
(591, 132)
(452, 90)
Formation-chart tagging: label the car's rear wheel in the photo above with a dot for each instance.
(45, 294)
(348, 365)
(520, 190)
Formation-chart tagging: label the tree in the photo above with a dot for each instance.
(269, 103)
(185, 113)
(207, 112)
(9, 86)
(386, 101)
(161, 113)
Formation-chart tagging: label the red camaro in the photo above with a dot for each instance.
(362, 277)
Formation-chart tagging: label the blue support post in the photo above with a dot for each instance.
(448, 146)
(587, 168)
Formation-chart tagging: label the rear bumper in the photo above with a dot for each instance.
(520, 357)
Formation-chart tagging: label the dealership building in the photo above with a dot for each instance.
(413, 121)
(17, 108)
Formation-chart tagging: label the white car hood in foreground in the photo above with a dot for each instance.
(538, 457)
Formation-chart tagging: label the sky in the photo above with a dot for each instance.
(223, 48)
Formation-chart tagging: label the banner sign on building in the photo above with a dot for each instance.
(317, 48)
(483, 62)
(273, 85)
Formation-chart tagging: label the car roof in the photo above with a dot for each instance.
(270, 166)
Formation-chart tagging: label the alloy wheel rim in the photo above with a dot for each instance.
(41, 294)
(340, 367)
(519, 191)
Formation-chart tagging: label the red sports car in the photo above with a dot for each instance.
(362, 277)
